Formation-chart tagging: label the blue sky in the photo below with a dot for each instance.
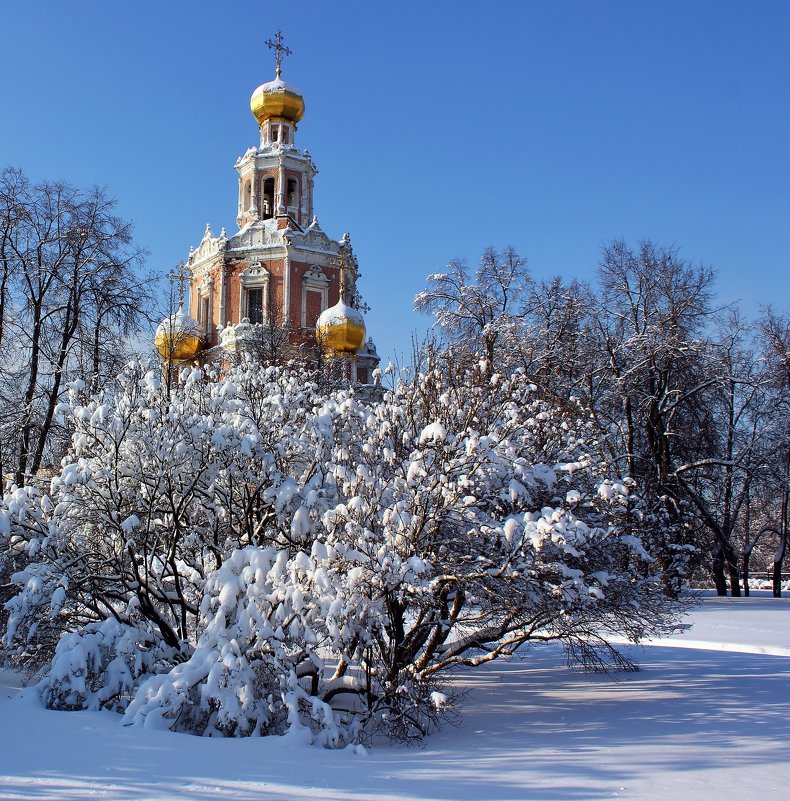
(438, 127)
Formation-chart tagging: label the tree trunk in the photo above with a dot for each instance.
(69, 328)
(782, 549)
(778, 562)
(30, 394)
(735, 574)
(747, 555)
(719, 579)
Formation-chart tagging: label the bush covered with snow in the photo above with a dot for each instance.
(257, 667)
(101, 665)
(316, 563)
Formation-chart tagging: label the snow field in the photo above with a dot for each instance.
(695, 723)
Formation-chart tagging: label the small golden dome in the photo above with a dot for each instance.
(178, 338)
(277, 99)
(340, 330)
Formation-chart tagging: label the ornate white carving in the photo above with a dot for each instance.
(233, 337)
(209, 247)
(315, 278)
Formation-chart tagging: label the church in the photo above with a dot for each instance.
(280, 285)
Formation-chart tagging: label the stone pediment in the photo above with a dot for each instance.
(313, 238)
(255, 235)
(209, 247)
(254, 274)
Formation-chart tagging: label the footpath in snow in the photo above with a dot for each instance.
(703, 720)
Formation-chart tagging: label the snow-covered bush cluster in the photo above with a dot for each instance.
(249, 555)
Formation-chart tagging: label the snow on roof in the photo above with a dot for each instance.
(179, 323)
(278, 84)
(340, 312)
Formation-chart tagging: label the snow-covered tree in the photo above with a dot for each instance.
(316, 563)
(481, 312)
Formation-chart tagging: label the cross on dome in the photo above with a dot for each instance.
(183, 275)
(280, 49)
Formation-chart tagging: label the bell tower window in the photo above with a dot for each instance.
(268, 198)
(292, 201)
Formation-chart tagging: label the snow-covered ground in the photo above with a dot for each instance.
(709, 719)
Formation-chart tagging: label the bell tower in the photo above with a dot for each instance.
(279, 272)
(276, 179)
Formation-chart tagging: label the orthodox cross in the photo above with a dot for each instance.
(182, 275)
(277, 45)
(342, 276)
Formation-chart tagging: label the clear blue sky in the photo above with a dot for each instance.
(438, 127)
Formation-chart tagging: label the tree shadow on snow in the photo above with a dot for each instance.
(531, 730)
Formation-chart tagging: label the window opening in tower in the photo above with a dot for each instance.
(268, 198)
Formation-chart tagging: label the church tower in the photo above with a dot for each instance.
(274, 277)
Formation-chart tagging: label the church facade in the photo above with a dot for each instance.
(276, 276)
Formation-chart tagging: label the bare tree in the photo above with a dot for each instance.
(775, 329)
(70, 294)
(719, 484)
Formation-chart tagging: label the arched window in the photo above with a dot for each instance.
(268, 198)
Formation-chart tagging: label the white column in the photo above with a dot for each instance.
(281, 188)
(222, 296)
(286, 287)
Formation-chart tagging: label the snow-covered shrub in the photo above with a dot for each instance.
(101, 666)
(158, 488)
(257, 667)
(321, 561)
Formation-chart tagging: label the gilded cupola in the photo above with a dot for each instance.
(340, 329)
(277, 98)
(177, 338)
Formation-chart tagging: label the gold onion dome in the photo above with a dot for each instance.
(340, 330)
(277, 99)
(178, 337)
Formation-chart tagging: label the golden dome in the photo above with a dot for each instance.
(178, 338)
(340, 330)
(277, 99)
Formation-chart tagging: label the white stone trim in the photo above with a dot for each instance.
(205, 291)
(314, 280)
(254, 277)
